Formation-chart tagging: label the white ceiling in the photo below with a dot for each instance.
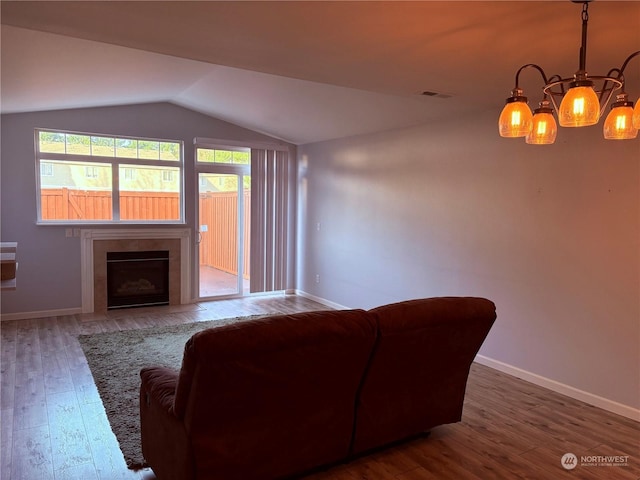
(303, 71)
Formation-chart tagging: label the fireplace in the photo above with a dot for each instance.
(95, 243)
(137, 278)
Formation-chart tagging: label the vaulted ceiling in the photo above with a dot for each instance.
(303, 71)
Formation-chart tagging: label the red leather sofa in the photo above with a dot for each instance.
(278, 396)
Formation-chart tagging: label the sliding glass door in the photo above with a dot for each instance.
(224, 205)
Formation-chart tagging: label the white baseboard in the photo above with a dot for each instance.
(323, 301)
(5, 317)
(590, 398)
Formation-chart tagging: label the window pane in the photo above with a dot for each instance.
(69, 194)
(103, 146)
(208, 155)
(153, 193)
(52, 142)
(148, 149)
(242, 158)
(169, 151)
(78, 144)
(223, 156)
(126, 148)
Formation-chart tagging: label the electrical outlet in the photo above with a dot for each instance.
(68, 232)
(318, 278)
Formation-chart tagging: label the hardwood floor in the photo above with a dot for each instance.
(54, 427)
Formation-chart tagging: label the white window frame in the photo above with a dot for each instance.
(220, 168)
(115, 163)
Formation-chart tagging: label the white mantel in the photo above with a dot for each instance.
(88, 236)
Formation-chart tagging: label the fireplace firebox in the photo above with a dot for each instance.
(137, 279)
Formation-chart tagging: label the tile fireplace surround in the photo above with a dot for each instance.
(95, 243)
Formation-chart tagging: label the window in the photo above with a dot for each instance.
(89, 178)
(240, 156)
(46, 169)
(129, 173)
(91, 172)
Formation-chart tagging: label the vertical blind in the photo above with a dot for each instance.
(271, 220)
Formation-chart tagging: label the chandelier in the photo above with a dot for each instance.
(583, 99)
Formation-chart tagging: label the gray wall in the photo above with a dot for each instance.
(549, 233)
(49, 263)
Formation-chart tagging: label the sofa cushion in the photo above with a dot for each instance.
(418, 373)
(274, 396)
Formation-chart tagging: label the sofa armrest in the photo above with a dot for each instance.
(159, 385)
(165, 443)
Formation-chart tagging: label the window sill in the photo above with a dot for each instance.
(76, 224)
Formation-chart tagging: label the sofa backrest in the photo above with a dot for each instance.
(418, 372)
(274, 396)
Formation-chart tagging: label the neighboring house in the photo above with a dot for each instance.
(210, 184)
(89, 177)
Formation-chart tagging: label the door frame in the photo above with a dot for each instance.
(240, 170)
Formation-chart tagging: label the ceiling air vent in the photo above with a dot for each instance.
(428, 93)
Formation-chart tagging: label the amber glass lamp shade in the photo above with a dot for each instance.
(544, 129)
(636, 115)
(580, 106)
(516, 117)
(619, 122)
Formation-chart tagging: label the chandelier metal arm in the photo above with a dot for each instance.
(530, 65)
(626, 62)
(555, 79)
(544, 77)
(619, 73)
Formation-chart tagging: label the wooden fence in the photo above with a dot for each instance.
(218, 211)
(66, 204)
(219, 245)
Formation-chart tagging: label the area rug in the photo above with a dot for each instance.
(115, 360)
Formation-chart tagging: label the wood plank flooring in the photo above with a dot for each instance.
(53, 424)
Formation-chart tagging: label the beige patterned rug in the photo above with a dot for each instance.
(115, 360)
